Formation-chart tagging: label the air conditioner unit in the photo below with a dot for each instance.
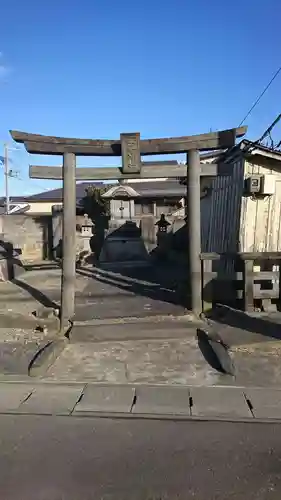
(268, 185)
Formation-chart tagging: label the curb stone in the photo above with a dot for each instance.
(188, 403)
(183, 319)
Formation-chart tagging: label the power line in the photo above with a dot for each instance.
(260, 96)
(269, 129)
(17, 177)
(33, 183)
(251, 146)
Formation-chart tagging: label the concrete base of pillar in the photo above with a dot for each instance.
(86, 259)
(10, 269)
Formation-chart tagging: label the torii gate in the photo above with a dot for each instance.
(131, 148)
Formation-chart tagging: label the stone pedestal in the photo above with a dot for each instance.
(124, 246)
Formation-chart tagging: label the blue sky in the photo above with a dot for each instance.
(95, 68)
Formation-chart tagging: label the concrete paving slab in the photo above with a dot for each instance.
(258, 365)
(89, 362)
(175, 362)
(162, 400)
(52, 400)
(106, 399)
(266, 402)
(219, 402)
(11, 396)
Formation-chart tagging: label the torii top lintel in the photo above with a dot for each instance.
(43, 144)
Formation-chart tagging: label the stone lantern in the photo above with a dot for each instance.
(87, 233)
(163, 237)
(85, 253)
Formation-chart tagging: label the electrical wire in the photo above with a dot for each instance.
(17, 177)
(269, 129)
(251, 146)
(34, 184)
(260, 96)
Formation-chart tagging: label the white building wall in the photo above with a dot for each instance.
(260, 228)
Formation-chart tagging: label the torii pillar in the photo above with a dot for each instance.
(68, 240)
(194, 230)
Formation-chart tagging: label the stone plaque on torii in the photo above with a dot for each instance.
(131, 148)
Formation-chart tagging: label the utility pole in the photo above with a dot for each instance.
(6, 173)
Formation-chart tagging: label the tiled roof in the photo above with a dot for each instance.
(171, 187)
(53, 194)
(56, 194)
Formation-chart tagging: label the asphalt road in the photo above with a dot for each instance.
(48, 458)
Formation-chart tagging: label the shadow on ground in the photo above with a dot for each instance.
(166, 283)
(241, 328)
(157, 282)
(42, 266)
(36, 294)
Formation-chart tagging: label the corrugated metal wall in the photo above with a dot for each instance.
(220, 212)
(260, 229)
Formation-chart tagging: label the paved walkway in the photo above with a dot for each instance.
(138, 292)
(211, 403)
(128, 329)
(99, 294)
(171, 360)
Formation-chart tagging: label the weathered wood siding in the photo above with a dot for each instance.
(260, 229)
(221, 210)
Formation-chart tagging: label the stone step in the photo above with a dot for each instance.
(119, 330)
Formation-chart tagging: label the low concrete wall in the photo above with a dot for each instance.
(30, 234)
(33, 235)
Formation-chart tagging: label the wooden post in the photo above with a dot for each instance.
(68, 241)
(57, 231)
(194, 229)
(207, 285)
(248, 294)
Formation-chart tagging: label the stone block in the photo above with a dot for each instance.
(162, 400)
(222, 402)
(12, 395)
(114, 399)
(266, 403)
(52, 400)
(123, 249)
